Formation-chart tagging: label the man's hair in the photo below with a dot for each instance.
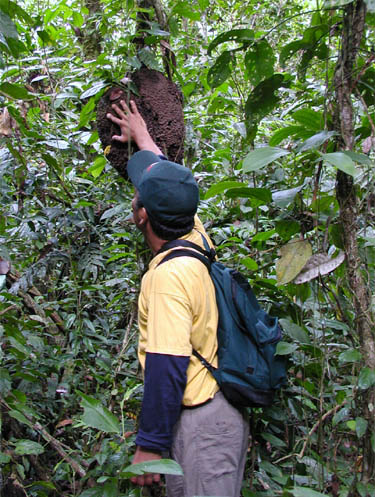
(178, 227)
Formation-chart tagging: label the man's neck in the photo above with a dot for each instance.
(153, 241)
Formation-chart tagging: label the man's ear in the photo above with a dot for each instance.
(142, 216)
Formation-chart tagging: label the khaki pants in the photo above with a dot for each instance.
(210, 443)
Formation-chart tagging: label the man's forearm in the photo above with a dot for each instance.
(147, 143)
(165, 382)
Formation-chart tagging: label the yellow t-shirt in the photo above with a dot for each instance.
(177, 312)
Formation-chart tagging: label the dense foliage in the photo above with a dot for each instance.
(263, 140)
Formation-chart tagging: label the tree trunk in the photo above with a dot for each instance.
(89, 36)
(344, 82)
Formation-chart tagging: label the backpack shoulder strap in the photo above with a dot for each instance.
(183, 253)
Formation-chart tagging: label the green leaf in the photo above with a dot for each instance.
(276, 442)
(331, 4)
(4, 458)
(221, 187)
(287, 228)
(7, 26)
(263, 236)
(185, 9)
(260, 157)
(285, 348)
(163, 466)
(309, 118)
(360, 158)
(315, 141)
(366, 378)
(351, 424)
(283, 197)
(262, 100)
(294, 331)
(290, 49)
(237, 35)
(5, 382)
(149, 59)
(94, 89)
(340, 416)
(98, 416)
(262, 194)
(360, 427)
(283, 133)
(221, 70)
(28, 447)
(305, 492)
(97, 168)
(259, 61)
(350, 355)
(19, 417)
(11, 90)
(342, 161)
(294, 256)
(249, 263)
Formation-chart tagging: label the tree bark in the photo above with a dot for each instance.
(344, 82)
(90, 36)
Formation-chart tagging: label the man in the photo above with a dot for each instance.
(183, 412)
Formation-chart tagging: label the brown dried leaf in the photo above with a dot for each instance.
(319, 264)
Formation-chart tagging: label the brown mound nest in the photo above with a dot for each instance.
(159, 101)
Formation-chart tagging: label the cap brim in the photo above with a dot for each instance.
(138, 163)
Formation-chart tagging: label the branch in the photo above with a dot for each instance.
(316, 426)
(52, 441)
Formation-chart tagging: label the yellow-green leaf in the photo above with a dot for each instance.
(294, 256)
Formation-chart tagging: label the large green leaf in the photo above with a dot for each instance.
(5, 382)
(350, 355)
(97, 168)
(290, 49)
(163, 466)
(98, 416)
(283, 133)
(294, 331)
(221, 187)
(263, 99)
(186, 9)
(310, 118)
(284, 348)
(237, 35)
(260, 157)
(149, 59)
(360, 158)
(331, 4)
(342, 161)
(366, 378)
(14, 91)
(4, 458)
(305, 492)
(28, 447)
(314, 34)
(262, 194)
(259, 61)
(273, 440)
(221, 70)
(360, 427)
(286, 228)
(315, 141)
(7, 27)
(294, 256)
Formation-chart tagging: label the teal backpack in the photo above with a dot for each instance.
(249, 373)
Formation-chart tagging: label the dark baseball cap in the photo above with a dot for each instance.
(167, 190)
